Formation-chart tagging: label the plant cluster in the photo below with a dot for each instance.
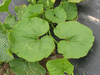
(31, 37)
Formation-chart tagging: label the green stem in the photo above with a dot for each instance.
(52, 25)
(39, 15)
(50, 33)
(34, 1)
(72, 73)
(53, 6)
(53, 38)
(43, 14)
(9, 13)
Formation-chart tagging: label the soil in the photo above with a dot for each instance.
(4, 69)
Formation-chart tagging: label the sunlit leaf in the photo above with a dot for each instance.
(70, 9)
(27, 41)
(20, 67)
(75, 1)
(77, 39)
(4, 6)
(32, 1)
(57, 15)
(20, 10)
(59, 67)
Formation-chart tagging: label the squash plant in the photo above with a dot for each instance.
(30, 37)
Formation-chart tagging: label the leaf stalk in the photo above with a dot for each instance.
(53, 38)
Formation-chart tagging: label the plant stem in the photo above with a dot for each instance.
(50, 33)
(53, 38)
(72, 73)
(34, 1)
(43, 14)
(52, 25)
(9, 13)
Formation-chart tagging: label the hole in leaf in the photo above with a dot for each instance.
(57, 2)
(15, 56)
(65, 73)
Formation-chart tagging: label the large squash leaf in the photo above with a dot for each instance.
(20, 67)
(59, 67)
(70, 9)
(77, 39)
(57, 15)
(4, 45)
(26, 39)
(5, 5)
(20, 10)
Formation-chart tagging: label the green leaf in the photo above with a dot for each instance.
(59, 67)
(27, 14)
(4, 45)
(5, 5)
(27, 41)
(47, 3)
(33, 11)
(7, 26)
(70, 9)
(0, 63)
(36, 8)
(53, 1)
(10, 20)
(32, 1)
(20, 67)
(75, 1)
(57, 15)
(20, 10)
(77, 39)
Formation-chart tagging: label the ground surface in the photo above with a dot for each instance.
(4, 69)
